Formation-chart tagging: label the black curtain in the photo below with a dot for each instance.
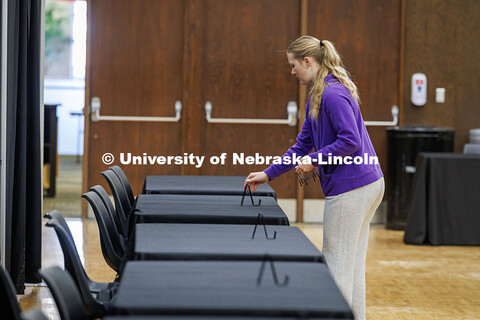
(23, 163)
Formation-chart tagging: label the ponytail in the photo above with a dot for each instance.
(326, 55)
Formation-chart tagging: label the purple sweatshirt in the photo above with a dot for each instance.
(338, 131)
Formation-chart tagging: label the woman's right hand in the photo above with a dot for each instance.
(255, 179)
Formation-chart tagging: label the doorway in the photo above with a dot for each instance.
(64, 96)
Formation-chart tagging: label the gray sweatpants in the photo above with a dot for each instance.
(345, 238)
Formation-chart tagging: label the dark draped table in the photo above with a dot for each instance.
(229, 288)
(445, 208)
(221, 242)
(173, 317)
(170, 208)
(226, 185)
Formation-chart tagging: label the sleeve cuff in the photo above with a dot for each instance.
(269, 174)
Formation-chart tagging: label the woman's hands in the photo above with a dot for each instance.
(255, 179)
(305, 164)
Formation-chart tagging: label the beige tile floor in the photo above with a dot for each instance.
(403, 281)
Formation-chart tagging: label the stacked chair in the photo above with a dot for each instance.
(93, 294)
(179, 252)
(66, 296)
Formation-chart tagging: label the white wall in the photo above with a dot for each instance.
(71, 95)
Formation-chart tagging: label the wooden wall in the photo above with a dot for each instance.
(367, 36)
(382, 43)
(150, 53)
(442, 40)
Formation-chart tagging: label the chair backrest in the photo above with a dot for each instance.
(11, 308)
(65, 294)
(98, 189)
(57, 215)
(112, 247)
(126, 184)
(122, 204)
(75, 268)
(94, 286)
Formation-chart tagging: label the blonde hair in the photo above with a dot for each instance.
(326, 55)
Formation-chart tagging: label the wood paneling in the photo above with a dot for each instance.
(135, 68)
(151, 53)
(442, 41)
(302, 100)
(146, 54)
(193, 123)
(242, 70)
(367, 36)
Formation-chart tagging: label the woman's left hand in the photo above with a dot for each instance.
(305, 165)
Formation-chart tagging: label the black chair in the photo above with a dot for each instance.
(120, 196)
(113, 247)
(91, 300)
(10, 307)
(65, 294)
(72, 260)
(57, 215)
(126, 184)
(98, 189)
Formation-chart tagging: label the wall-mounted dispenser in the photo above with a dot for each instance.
(419, 89)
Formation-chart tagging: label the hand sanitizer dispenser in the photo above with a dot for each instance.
(419, 89)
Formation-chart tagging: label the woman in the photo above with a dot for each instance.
(333, 127)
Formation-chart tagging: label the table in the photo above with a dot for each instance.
(404, 144)
(228, 288)
(50, 147)
(171, 208)
(218, 185)
(221, 242)
(226, 317)
(445, 208)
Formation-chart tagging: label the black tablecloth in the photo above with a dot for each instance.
(173, 317)
(221, 242)
(228, 288)
(227, 185)
(445, 205)
(170, 208)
